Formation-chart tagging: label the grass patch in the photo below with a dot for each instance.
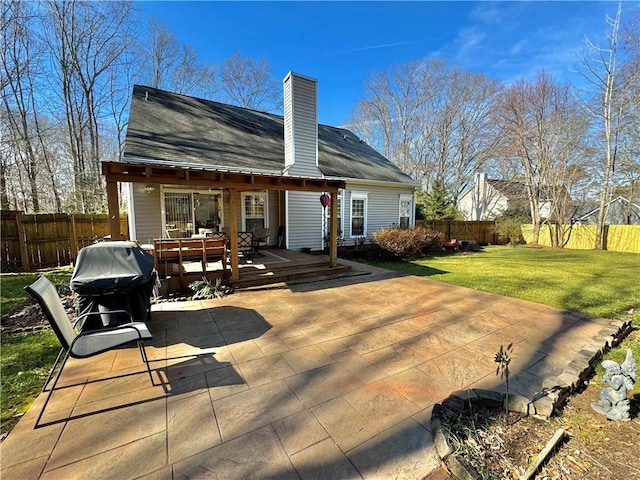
(25, 362)
(13, 297)
(25, 358)
(598, 283)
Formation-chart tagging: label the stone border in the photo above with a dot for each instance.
(555, 391)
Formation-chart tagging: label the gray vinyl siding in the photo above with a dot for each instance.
(304, 214)
(301, 127)
(272, 214)
(304, 220)
(147, 214)
(383, 208)
(288, 126)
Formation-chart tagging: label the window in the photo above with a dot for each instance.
(358, 214)
(190, 211)
(254, 210)
(405, 211)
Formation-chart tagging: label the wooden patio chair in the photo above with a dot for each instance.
(214, 249)
(167, 255)
(86, 343)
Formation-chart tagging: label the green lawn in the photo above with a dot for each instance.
(26, 358)
(26, 361)
(599, 283)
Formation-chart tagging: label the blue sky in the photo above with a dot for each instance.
(341, 43)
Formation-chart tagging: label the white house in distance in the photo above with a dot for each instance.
(619, 211)
(487, 198)
(212, 143)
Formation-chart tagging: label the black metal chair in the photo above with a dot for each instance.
(260, 238)
(245, 244)
(86, 343)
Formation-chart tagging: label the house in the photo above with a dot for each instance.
(488, 198)
(195, 165)
(619, 211)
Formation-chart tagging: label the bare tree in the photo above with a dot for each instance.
(628, 162)
(432, 120)
(87, 40)
(22, 61)
(600, 67)
(173, 66)
(544, 129)
(391, 117)
(248, 83)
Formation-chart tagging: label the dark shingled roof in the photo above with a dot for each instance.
(167, 127)
(512, 189)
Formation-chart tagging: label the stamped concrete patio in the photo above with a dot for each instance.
(334, 379)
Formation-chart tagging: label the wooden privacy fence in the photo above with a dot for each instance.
(479, 232)
(617, 238)
(45, 240)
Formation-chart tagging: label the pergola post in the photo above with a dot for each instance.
(333, 229)
(233, 233)
(114, 210)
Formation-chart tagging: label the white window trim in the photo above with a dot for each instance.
(358, 196)
(341, 208)
(341, 196)
(327, 215)
(405, 197)
(262, 193)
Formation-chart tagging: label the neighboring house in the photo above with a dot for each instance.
(619, 211)
(488, 198)
(213, 143)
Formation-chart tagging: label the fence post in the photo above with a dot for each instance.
(74, 238)
(22, 239)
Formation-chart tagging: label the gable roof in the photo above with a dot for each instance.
(634, 208)
(172, 129)
(512, 189)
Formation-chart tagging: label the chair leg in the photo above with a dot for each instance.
(55, 382)
(145, 359)
(55, 364)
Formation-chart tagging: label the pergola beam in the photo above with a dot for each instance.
(139, 173)
(234, 182)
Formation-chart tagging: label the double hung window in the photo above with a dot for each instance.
(358, 214)
(404, 220)
(254, 210)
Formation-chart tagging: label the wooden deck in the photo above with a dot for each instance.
(274, 266)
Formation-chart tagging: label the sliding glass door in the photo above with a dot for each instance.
(188, 212)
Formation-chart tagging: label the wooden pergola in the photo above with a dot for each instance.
(233, 182)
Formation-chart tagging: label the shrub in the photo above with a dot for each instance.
(509, 223)
(207, 289)
(410, 242)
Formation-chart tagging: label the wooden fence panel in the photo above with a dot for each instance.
(10, 241)
(617, 238)
(48, 240)
(479, 232)
(32, 242)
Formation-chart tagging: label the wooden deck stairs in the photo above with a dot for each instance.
(278, 274)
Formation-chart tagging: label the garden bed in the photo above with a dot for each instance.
(476, 439)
